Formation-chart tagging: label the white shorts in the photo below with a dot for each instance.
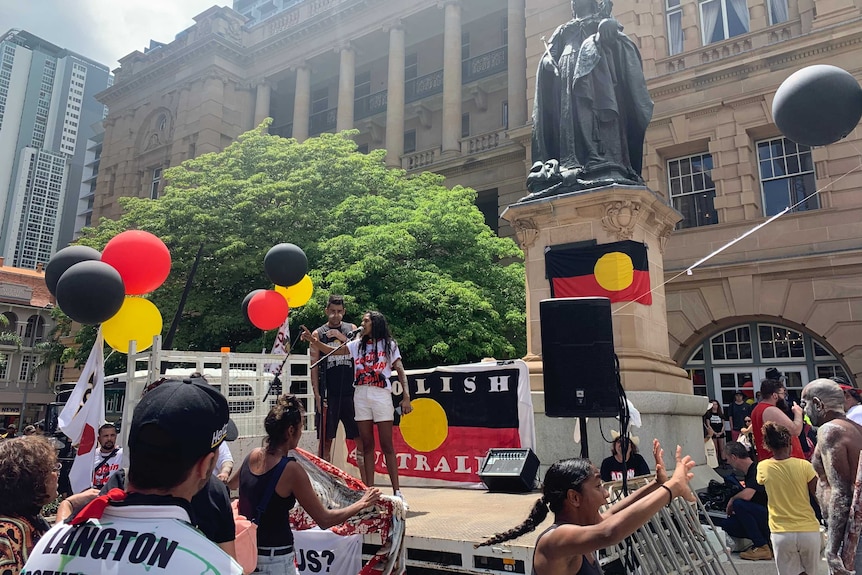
(796, 551)
(373, 403)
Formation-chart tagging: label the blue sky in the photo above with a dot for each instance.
(103, 30)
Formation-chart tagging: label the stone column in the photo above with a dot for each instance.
(261, 104)
(302, 103)
(395, 98)
(452, 78)
(517, 55)
(346, 87)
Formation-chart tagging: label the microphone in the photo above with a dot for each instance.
(354, 333)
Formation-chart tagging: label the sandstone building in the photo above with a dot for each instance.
(446, 85)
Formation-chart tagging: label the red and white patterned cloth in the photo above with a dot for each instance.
(337, 489)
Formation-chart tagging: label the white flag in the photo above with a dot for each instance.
(83, 414)
(280, 345)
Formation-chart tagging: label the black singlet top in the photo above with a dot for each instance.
(273, 530)
(587, 568)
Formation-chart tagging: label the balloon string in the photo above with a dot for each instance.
(688, 270)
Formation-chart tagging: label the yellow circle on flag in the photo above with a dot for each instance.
(614, 271)
(426, 427)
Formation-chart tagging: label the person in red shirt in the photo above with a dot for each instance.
(772, 393)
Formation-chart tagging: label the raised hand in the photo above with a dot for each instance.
(658, 455)
(682, 475)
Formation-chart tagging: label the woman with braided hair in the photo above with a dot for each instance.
(573, 491)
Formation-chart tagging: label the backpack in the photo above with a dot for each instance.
(246, 540)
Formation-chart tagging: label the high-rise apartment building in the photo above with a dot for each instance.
(47, 110)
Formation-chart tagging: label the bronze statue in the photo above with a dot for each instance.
(591, 108)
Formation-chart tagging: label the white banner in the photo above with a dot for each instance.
(322, 551)
(83, 414)
(281, 345)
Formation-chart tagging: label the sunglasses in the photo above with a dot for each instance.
(747, 421)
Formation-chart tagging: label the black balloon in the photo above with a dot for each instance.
(817, 105)
(285, 264)
(245, 303)
(90, 292)
(63, 260)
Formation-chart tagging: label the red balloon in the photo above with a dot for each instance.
(267, 309)
(142, 259)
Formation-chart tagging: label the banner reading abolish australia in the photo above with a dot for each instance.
(459, 413)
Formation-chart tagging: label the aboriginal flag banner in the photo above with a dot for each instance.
(459, 413)
(618, 271)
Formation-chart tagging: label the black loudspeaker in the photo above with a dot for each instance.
(579, 365)
(509, 470)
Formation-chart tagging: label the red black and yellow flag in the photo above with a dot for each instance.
(618, 271)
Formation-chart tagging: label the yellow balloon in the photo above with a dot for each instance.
(139, 319)
(298, 294)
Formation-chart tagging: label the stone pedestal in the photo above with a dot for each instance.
(608, 214)
(659, 389)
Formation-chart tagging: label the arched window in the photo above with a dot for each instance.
(35, 331)
(12, 323)
(738, 357)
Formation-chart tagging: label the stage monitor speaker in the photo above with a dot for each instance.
(509, 470)
(578, 359)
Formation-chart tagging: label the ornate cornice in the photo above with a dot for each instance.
(167, 65)
(781, 59)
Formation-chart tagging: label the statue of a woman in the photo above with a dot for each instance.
(591, 108)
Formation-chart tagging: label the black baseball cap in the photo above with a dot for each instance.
(187, 418)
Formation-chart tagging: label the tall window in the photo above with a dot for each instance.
(504, 119)
(723, 19)
(59, 369)
(786, 176)
(674, 26)
(27, 363)
(777, 11)
(154, 184)
(362, 84)
(465, 125)
(488, 203)
(692, 191)
(320, 100)
(410, 141)
(465, 45)
(411, 66)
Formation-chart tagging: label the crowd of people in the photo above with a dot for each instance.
(180, 471)
(795, 483)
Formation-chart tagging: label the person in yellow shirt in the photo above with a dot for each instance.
(788, 482)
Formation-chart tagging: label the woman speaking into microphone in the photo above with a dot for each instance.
(375, 355)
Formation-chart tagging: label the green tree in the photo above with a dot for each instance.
(408, 246)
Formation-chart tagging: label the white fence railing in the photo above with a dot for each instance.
(243, 378)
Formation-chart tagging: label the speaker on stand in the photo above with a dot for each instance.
(578, 362)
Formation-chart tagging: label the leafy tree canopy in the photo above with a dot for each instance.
(409, 247)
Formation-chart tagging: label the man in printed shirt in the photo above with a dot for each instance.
(175, 433)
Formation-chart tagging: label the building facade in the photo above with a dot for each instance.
(446, 86)
(26, 304)
(47, 107)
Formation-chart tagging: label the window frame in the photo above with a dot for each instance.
(704, 158)
(787, 176)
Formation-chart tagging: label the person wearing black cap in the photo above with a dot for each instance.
(173, 438)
